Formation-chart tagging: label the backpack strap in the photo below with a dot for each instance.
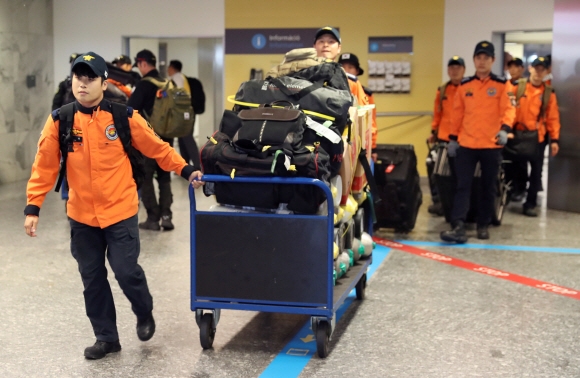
(297, 95)
(66, 116)
(545, 100)
(158, 83)
(442, 90)
(521, 89)
(121, 115)
(370, 177)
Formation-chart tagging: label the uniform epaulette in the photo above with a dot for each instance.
(55, 114)
(467, 79)
(351, 77)
(368, 92)
(129, 111)
(498, 79)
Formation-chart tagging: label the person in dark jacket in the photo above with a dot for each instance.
(64, 94)
(187, 146)
(142, 100)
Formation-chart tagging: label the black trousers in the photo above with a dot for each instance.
(516, 172)
(465, 163)
(537, 165)
(189, 151)
(155, 210)
(120, 244)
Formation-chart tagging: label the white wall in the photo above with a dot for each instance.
(83, 25)
(470, 21)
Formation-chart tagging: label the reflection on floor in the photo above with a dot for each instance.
(421, 318)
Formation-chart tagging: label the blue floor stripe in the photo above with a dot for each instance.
(295, 356)
(521, 248)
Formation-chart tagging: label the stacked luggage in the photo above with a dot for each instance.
(302, 124)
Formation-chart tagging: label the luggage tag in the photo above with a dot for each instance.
(323, 130)
(390, 168)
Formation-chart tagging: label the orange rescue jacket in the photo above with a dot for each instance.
(481, 109)
(102, 191)
(441, 124)
(528, 110)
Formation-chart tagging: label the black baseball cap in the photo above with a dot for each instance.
(517, 61)
(352, 59)
(456, 61)
(145, 56)
(123, 59)
(328, 30)
(95, 62)
(541, 61)
(485, 47)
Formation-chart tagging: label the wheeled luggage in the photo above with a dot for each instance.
(446, 187)
(398, 182)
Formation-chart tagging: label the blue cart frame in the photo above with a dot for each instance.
(281, 266)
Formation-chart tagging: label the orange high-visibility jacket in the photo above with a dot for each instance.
(481, 109)
(102, 191)
(528, 109)
(358, 91)
(441, 124)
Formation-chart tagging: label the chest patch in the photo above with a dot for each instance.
(491, 91)
(111, 132)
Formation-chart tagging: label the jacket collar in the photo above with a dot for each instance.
(104, 104)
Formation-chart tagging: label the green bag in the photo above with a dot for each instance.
(173, 115)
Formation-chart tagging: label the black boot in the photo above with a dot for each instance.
(482, 232)
(145, 328)
(150, 224)
(436, 209)
(166, 223)
(101, 349)
(456, 235)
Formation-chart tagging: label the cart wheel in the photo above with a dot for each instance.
(360, 287)
(206, 331)
(322, 339)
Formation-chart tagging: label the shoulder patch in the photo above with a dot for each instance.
(54, 114)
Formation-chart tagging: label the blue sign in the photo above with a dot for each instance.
(259, 41)
(391, 45)
(268, 41)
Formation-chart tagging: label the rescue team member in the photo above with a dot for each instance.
(482, 117)
(528, 116)
(516, 70)
(351, 66)
(327, 43)
(441, 124)
(103, 201)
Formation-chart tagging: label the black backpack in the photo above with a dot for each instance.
(121, 115)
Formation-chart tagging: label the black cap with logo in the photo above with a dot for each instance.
(122, 59)
(541, 61)
(516, 61)
(352, 59)
(485, 47)
(328, 30)
(145, 56)
(456, 61)
(95, 62)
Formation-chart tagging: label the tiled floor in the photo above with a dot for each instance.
(421, 318)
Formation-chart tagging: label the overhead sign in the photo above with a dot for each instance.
(268, 41)
(391, 45)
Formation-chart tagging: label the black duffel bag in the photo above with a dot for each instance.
(524, 144)
(315, 97)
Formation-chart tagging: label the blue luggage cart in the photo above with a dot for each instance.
(268, 262)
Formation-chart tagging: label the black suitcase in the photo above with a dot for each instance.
(446, 188)
(399, 187)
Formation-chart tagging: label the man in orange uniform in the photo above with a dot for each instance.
(482, 117)
(530, 116)
(103, 203)
(327, 43)
(441, 124)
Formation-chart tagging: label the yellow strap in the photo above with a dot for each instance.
(233, 173)
(265, 148)
(211, 139)
(233, 100)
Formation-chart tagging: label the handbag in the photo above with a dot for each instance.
(524, 144)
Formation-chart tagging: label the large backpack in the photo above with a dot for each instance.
(121, 115)
(173, 115)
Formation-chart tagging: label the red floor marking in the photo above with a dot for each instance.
(546, 286)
